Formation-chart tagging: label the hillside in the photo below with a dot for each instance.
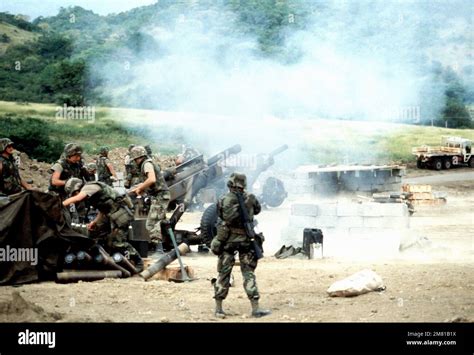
(360, 60)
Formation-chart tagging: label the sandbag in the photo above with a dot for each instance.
(361, 282)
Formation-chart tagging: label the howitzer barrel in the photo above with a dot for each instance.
(162, 262)
(224, 154)
(86, 275)
(278, 150)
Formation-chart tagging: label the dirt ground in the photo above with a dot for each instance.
(431, 281)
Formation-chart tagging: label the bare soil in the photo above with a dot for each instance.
(431, 281)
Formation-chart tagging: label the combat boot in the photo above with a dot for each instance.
(219, 311)
(258, 312)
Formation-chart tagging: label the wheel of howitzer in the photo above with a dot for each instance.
(209, 224)
(273, 192)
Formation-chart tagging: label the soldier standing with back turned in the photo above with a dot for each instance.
(232, 239)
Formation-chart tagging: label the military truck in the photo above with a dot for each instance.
(454, 151)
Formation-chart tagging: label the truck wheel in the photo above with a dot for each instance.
(447, 163)
(438, 164)
(209, 224)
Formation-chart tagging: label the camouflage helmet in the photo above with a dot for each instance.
(73, 184)
(104, 150)
(4, 143)
(137, 152)
(72, 149)
(130, 147)
(92, 166)
(237, 180)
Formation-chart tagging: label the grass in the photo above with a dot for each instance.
(325, 141)
(16, 35)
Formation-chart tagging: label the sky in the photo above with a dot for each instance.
(51, 7)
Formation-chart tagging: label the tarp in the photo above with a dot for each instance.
(37, 222)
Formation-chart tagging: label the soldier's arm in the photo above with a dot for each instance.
(55, 179)
(112, 170)
(257, 207)
(25, 184)
(79, 197)
(150, 180)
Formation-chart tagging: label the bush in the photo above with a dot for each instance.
(31, 136)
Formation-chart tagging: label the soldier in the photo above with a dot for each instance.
(155, 186)
(131, 170)
(114, 215)
(187, 153)
(232, 238)
(10, 180)
(92, 169)
(106, 171)
(69, 165)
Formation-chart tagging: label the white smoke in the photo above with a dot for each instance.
(356, 60)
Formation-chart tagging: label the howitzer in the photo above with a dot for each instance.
(194, 174)
(249, 226)
(184, 183)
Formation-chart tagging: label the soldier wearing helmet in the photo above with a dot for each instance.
(114, 217)
(131, 170)
(153, 185)
(10, 180)
(69, 165)
(92, 169)
(232, 238)
(105, 169)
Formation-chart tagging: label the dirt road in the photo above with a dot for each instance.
(433, 281)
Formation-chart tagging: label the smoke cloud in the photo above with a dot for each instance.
(352, 60)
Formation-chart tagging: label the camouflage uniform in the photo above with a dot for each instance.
(68, 170)
(232, 234)
(112, 230)
(10, 181)
(232, 238)
(132, 172)
(160, 199)
(103, 171)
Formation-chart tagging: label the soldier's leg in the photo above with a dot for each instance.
(248, 264)
(101, 231)
(157, 213)
(225, 264)
(120, 221)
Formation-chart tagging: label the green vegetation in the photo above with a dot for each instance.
(344, 143)
(50, 60)
(38, 132)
